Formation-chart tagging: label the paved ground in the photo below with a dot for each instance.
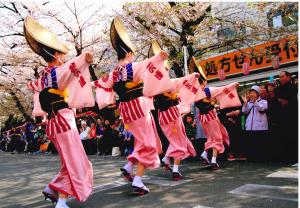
(237, 184)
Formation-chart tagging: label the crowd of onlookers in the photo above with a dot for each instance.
(105, 137)
(264, 128)
(98, 136)
(29, 139)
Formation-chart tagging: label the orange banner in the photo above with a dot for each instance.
(269, 54)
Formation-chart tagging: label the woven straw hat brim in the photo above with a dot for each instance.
(37, 36)
(154, 50)
(194, 64)
(118, 33)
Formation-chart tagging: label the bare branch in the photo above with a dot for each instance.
(12, 34)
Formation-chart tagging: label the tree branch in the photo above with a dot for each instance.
(12, 34)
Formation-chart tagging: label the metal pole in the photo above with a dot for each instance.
(186, 72)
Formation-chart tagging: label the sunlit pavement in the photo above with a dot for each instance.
(236, 184)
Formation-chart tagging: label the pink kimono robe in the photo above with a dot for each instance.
(171, 123)
(215, 132)
(136, 112)
(151, 72)
(190, 91)
(75, 177)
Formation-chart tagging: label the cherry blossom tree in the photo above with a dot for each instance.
(203, 27)
(83, 27)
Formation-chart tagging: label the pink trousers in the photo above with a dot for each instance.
(75, 177)
(216, 135)
(180, 146)
(147, 145)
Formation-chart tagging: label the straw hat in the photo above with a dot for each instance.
(119, 37)
(37, 36)
(194, 64)
(154, 50)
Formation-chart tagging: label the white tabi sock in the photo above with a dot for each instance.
(50, 191)
(166, 160)
(204, 154)
(137, 181)
(175, 168)
(214, 160)
(61, 203)
(128, 167)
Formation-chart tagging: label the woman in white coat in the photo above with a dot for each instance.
(256, 123)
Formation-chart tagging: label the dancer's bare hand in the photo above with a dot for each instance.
(164, 55)
(89, 58)
(197, 75)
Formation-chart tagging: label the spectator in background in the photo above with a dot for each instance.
(30, 131)
(14, 138)
(190, 126)
(108, 137)
(264, 93)
(271, 89)
(44, 142)
(84, 136)
(128, 141)
(256, 124)
(274, 117)
(85, 130)
(51, 148)
(99, 126)
(286, 97)
(93, 137)
(38, 140)
(231, 118)
(78, 124)
(99, 135)
(3, 141)
(118, 129)
(93, 131)
(22, 141)
(200, 137)
(117, 125)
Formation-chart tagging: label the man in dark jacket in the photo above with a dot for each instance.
(286, 96)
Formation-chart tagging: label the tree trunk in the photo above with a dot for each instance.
(19, 105)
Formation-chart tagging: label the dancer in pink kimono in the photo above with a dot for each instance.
(60, 86)
(194, 90)
(171, 123)
(215, 132)
(131, 81)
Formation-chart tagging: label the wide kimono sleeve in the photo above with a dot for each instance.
(74, 77)
(189, 89)
(105, 95)
(154, 76)
(179, 82)
(36, 86)
(37, 109)
(227, 95)
(107, 81)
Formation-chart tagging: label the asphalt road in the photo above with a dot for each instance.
(236, 184)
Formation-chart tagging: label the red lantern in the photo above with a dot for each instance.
(275, 62)
(246, 68)
(221, 74)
